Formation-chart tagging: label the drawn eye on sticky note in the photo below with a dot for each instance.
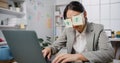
(68, 23)
(77, 20)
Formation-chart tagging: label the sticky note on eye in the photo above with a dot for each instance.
(68, 23)
(77, 20)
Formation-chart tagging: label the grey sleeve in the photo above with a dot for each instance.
(59, 43)
(104, 54)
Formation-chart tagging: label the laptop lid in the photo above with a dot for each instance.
(24, 46)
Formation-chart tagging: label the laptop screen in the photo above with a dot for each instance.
(24, 46)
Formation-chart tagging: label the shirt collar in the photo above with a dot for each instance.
(83, 33)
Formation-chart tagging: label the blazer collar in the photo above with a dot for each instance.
(89, 27)
(90, 36)
(71, 41)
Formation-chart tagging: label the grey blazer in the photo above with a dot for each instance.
(98, 45)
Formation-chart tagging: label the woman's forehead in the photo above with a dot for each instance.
(71, 13)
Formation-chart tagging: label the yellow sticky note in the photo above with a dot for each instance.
(77, 20)
(22, 26)
(68, 23)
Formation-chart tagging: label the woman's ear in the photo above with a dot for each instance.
(85, 14)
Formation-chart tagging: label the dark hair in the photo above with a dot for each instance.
(74, 5)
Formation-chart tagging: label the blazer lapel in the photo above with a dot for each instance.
(71, 40)
(89, 37)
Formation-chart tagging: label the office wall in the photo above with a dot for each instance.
(64, 2)
(105, 12)
(115, 16)
(92, 8)
(40, 16)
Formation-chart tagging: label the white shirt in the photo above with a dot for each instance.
(80, 44)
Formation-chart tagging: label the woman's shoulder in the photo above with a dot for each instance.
(95, 25)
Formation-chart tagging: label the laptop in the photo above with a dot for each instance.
(24, 46)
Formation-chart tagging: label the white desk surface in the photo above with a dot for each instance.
(114, 39)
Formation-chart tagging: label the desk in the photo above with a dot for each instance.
(115, 41)
(7, 61)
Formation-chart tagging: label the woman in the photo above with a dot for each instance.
(86, 42)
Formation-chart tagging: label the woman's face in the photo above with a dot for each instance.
(70, 14)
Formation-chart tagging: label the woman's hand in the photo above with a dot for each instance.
(47, 52)
(63, 58)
